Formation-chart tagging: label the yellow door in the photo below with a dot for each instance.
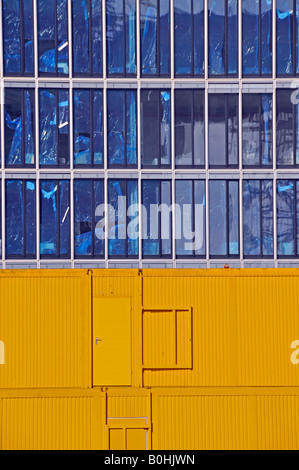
(128, 434)
(111, 341)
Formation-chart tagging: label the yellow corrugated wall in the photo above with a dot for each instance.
(227, 380)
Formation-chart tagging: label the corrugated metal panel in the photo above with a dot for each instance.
(51, 424)
(244, 323)
(45, 324)
(225, 422)
(122, 404)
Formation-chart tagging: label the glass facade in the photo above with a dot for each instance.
(143, 133)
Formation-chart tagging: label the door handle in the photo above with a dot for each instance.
(98, 339)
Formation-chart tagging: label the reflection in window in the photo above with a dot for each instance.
(122, 128)
(287, 131)
(224, 218)
(121, 37)
(87, 37)
(189, 128)
(155, 37)
(258, 218)
(223, 130)
(54, 127)
(155, 128)
(88, 128)
(257, 37)
(123, 218)
(257, 130)
(287, 207)
(287, 30)
(156, 219)
(20, 219)
(190, 218)
(18, 48)
(55, 219)
(189, 37)
(19, 127)
(89, 214)
(53, 46)
(223, 37)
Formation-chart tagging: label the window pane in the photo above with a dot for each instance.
(285, 218)
(183, 41)
(131, 128)
(266, 36)
(150, 127)
(217, 130)
(164, 37)
(251, 129)
(12, 36)
(97, 232)
(148, 11)
(233, 129)
(98, 127)
(250, 36)
(63, 127)
(82, 131)
(266, 129)
(233, 218)
(267, 218)
(117, 217)
(217, 65)
(285, 36)
(133, 220)
(184, 127)
(232, 37)
(218, 218)
(285, 128)
(251, 218)
(199, 128)
(150, 220)
(198, 36)
(48, 127)
(165, 128)
(116, 127)
(81, 21)
(83, 217)
(64, 221)
(166, 219)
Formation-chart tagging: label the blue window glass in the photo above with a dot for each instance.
(189, 37)
(257, 37)
(257, 130)
(122, 128)
(54, 127)
(285, 129)
(87, 37)
(223, 130)
(285, 36)
(89, 213)
(18, 37)
(20, 219)
(19, 127)
(53, 43)
(88, 128)
(156, 219)
(155, 37)
(223, 37)
(123, 218)
(224, 218)
(286, 245)
(190, 218)
(189, 128)
(55, 219)
(121, 37)
(155, 128)
(258, 218)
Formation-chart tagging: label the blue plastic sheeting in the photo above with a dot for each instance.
(121, 53)
(224, 218)
(88, 195)
(87, 20)
(188, 194)
(54, 130)
(20, 218)
(284, 34)
(258, 218)
(55, 218)
(155, 24)
(156, 228)
(149, 37)
(266, 37)
(131, 128)
(217, 65)
(18, 152)
(14, 13)
(121, 195)
(189, 37)
(53, 37)
(285, 128)
(232, 36)
(285, 218)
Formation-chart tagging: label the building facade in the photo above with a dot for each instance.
(112, 107)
